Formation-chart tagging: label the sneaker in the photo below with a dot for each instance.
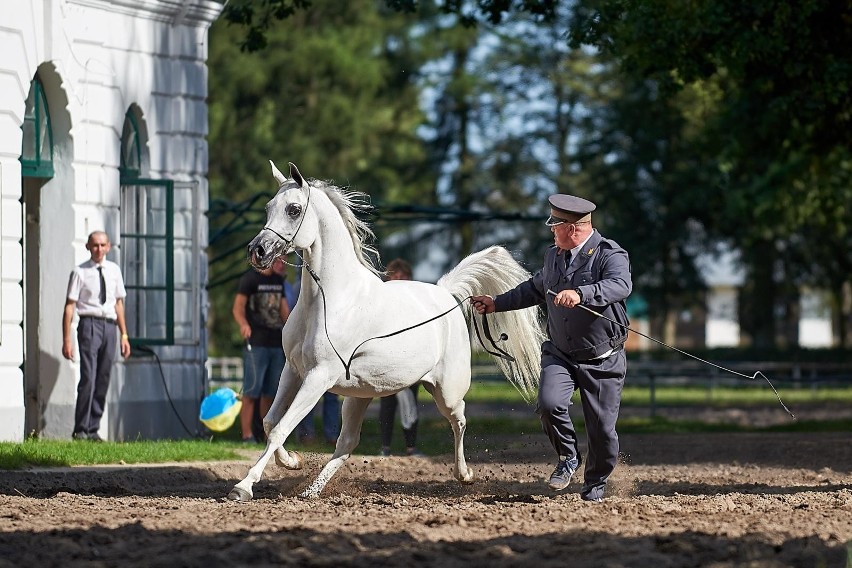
(79, 436)
(592, 494)
(250, 440)
(414, 453)
(385, 451)
(561, 476)
(95, 437)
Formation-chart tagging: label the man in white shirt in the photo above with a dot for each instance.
(96, 291)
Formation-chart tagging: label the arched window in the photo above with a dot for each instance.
(146, 243)
(160, 248)
(131, 151)
(37, 147)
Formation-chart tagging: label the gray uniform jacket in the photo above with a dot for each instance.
(601, 273)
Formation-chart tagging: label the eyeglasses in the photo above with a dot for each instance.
(556, 221)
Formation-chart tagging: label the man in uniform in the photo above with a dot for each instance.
(583, 352)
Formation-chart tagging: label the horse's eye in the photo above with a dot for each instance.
(293, 210)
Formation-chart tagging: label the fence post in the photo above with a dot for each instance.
(653, 390)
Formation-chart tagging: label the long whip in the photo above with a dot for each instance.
(753, 377)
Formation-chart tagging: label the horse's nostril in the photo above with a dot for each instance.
(259, 252)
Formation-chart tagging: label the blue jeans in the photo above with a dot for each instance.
(262, 368)
(330, 420)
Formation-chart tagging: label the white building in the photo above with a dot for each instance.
(103, 117)
(725, 278)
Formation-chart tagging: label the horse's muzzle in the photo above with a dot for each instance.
(257, 254)
(254, 259)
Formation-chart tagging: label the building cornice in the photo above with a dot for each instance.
(200, 13)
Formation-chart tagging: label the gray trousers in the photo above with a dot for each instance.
(600, 384)
(97, 340)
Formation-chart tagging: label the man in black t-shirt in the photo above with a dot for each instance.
(260, 309)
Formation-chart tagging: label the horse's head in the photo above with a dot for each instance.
(287, 226)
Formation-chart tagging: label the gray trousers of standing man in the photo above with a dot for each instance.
(97, 340)
(600, 383)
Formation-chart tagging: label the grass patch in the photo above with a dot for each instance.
(658, 425)
(55, 453)
(755, 394)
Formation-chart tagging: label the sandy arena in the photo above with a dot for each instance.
(677, 500)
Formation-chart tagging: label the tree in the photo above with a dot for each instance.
(257, 17)
(333, 92)
(780, 132)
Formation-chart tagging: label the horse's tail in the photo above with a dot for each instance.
(492, 271)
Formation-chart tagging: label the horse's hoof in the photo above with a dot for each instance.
(296, 460)
(467, 478)
(239, 494)
(308, 494)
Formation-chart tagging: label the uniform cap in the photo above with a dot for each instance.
(570, 208)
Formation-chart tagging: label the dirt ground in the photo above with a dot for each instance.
(676, 500)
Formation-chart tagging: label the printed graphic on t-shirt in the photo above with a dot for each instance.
(264, 304)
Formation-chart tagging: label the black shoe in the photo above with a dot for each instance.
(95, 437)
(561, 476)
(79, 436)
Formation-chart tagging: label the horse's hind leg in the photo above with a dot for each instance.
(455, 415)
(350, 434)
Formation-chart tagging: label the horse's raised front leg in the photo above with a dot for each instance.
(306, 397)
(350, 435)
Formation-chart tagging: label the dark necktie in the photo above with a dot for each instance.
(102, 295)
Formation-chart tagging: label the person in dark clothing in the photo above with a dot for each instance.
(260, 309)
(583, 352)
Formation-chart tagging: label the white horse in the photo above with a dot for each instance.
(340, 336)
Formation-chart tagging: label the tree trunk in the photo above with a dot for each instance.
(841, 314)
(757, 310)
(792, 314)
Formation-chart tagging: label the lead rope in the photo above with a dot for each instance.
(753, 377)
(347, 365)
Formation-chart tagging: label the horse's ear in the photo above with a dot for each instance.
(279, 177)
(297, 177)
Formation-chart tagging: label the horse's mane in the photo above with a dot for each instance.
(349, 202)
